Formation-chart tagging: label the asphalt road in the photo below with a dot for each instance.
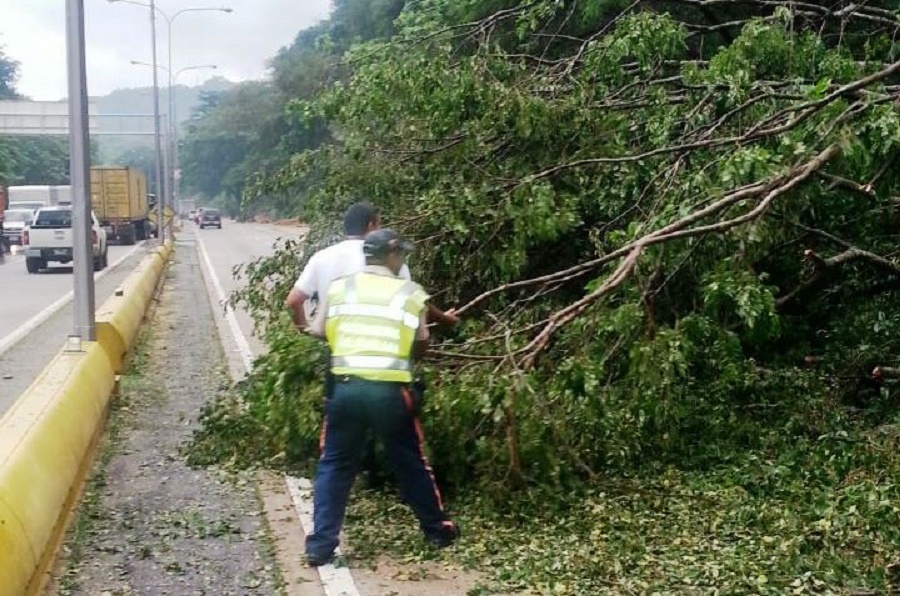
(236, 244)
(24, 296)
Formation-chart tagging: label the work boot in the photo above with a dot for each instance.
(319, 560)
(447, 536)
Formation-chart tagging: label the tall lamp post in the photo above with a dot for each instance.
(80, 174)
(173, 122)
(170, 20)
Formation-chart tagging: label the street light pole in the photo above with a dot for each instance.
(160, 189)
(80, 173)
(172, 149)
(173, 124)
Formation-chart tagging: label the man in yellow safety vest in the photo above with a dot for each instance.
(375, 324)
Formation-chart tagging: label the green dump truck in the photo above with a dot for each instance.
(119, 198)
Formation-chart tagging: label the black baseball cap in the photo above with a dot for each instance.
(381, 242)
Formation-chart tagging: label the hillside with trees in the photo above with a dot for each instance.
(45, 160)
(671, 230)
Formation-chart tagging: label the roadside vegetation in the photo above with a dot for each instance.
(671, 229)
(28, 159)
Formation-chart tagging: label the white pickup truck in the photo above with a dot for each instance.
(49, 238)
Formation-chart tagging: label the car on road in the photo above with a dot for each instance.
(15, 222)
(49, 239)
(210, 218)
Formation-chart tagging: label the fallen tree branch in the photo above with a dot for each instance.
(826, 268)
(675, 230)
(756, 133)
(839, 182)
(885, 372)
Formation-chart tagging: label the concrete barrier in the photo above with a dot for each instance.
(119, 318)
(43, 440)
(47, 437)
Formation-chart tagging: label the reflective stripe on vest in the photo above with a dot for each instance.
(371, 310)
(372, 362)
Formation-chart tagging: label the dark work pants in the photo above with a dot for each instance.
(368, 458)
(356, 407)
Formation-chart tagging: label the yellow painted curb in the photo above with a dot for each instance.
(120, 317)
(47, 437)
(43, 441)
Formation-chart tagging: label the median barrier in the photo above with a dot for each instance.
(44, 438)
(120, 317)
(47, 437)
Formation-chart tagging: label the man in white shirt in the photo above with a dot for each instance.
(344, 258)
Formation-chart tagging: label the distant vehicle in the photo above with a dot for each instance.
(119, 198)
(49, 238)
(14, 223)
(210, 219)
(32, 206)
(44, 196)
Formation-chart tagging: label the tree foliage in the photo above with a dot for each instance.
(29, 160)
(242, 136)
(9, 74)
(670, 228)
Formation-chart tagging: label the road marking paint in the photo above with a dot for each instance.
(336, 581)
(240, 339)
(39, 319)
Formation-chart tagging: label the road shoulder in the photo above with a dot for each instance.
(148, 522)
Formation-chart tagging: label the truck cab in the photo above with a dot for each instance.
(49, 239)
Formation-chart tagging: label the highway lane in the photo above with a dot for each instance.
(23, 296)
(236, 244)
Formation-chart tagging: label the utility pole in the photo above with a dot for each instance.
(80, 173)
(160, 183)
(166, 184)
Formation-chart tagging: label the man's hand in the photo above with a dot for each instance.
(295, 302)
(450, 317)
(436, 315)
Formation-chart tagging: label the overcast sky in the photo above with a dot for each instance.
(33, 32)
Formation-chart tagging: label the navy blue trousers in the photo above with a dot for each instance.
(356, 407)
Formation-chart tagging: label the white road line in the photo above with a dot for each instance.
(39, 319)
(337, 581)
(240, 339)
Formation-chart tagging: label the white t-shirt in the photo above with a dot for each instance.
(338, 260)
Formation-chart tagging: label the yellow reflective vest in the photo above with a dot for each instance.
(371, 325)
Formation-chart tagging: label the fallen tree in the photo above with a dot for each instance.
(670, 228)
(616, 197)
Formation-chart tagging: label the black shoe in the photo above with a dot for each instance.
(447, 536)
(318, 561)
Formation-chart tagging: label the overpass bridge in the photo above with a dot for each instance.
(51, 118)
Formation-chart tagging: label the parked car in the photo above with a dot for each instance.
(210, 219)
(49, 239)
(15, 222)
